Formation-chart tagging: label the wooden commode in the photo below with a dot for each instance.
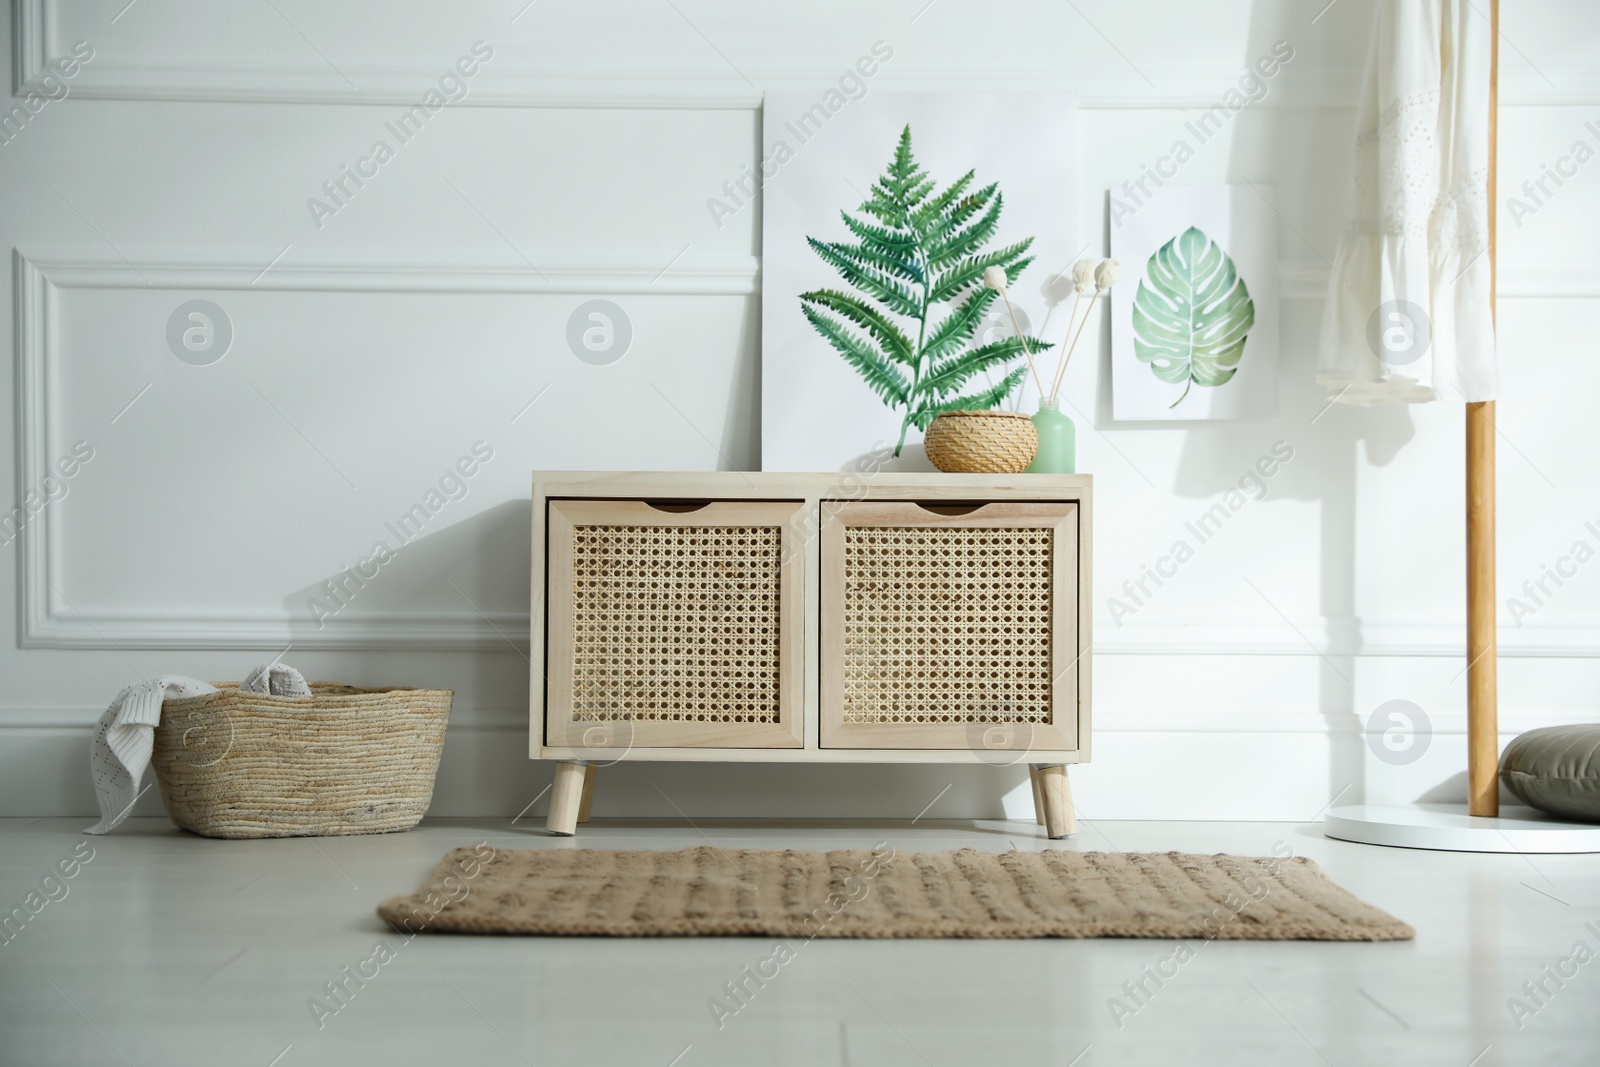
(826, 618)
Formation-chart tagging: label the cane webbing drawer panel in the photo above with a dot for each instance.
(682, 626)
(940, 626)
(947, 625)
(675, 623)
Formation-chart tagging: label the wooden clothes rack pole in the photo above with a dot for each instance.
(1480, 827)
(1483, 728)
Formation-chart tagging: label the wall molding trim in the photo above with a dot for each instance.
(1338, 639)
(27, 44)
(1102, 86)
(1174, 89)
(692, 274)
(46, 620)
(80, 717)
(1328, 724)
(1322, 724)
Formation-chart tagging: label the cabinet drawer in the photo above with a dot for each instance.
(945, 626)
(675, 625)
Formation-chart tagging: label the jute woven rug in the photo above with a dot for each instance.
(709, 891)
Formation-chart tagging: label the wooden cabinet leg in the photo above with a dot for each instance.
(1059, 819)
(566, 797)
(1038, 798)
(588, 793)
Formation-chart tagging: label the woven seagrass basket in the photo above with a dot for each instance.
(981, 442)
(341, 761)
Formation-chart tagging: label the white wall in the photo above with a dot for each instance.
(428, 311)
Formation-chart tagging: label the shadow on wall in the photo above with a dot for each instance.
(416, 571)
(1310, 166)
(1301, 159)
(911, 459)
(741, 428)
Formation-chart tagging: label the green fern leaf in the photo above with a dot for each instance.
(893, 261)
(962, 243)
(896, 194)
(979, 401)
(895, 344)
(962, 211)
(969, 271)
(881, 237)
(930, 215)
(916, 195)
(953, 373)
(886, 209)
(880, 374)
(917, 247)
(893, 294)
(955, 330)
(904, 171)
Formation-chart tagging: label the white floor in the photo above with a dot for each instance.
(173, 950)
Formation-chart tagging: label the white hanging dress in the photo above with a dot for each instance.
(1408, 314)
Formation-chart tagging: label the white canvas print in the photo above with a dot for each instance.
(872, 322)
(1194, 321)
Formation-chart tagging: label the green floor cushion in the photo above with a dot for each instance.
(1556, 769)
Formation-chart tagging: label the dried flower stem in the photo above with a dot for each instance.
(1026, 350)
(1068, 350)
(1066, 353)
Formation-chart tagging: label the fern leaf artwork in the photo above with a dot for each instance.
(1192, 314)
(913, 268)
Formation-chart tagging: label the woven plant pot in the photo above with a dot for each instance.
(341, 761)
(981, 442)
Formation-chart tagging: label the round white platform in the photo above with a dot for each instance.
(1448, 828)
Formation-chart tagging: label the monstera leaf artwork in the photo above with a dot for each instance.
(915, 250)
(1192, 314)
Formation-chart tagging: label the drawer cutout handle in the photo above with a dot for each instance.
(954, 508)
(679, 507)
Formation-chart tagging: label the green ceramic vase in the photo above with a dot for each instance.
(1058, 441)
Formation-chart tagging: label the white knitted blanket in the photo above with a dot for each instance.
(126, 735)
